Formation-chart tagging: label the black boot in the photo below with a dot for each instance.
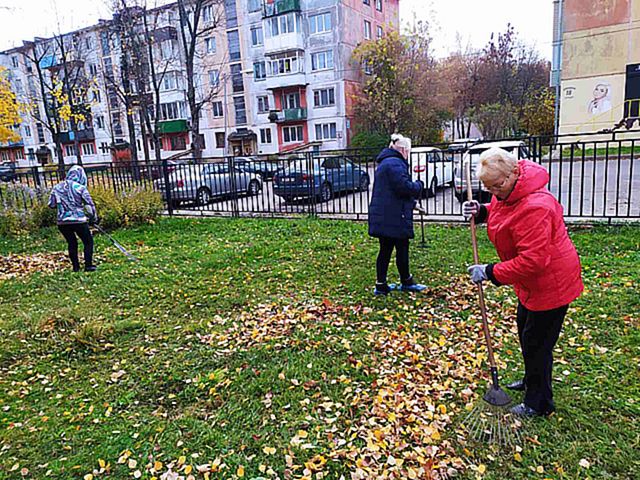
(518, 386)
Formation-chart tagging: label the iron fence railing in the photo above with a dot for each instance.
(596, 177)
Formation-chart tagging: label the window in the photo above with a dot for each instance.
(320, 23)
(284, 64)
(237, 81)
(253, 5)
(326, 131)
(379, 5)
(172, 111)
(104, 148)
(95, 96)
(366, 2)
(367, 68)
(322, 60)
(166, 50)
(116, 124)
(291, 100)
(40, 130)
(19, 154)
(234, 45)
(217, 109)
(178, 142)
(207, 13)
(170, 81)
(69, 150)
(380, 32)
(5, 156)
(265, 135)
(232, 14)
(88, 43)
(241, 110)
(14, 62)
(292, 134)
(325, 97)
(283, 24)
(100, 122)
(257, 37)
(263, 104)
(219, 139)
(259, 71)
(367, 30)
(104, 42)
(210, 44)
(93, 70)
(214, 78)
(88, 149)
(27, 131)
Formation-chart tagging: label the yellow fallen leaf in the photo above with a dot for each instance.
(269, 450)
(157, 466)
(182, 460)
(303, 433)
(482, 468)
(540, 469)
(240, 471)
(188, 469)
(517, 457)
(88, 476)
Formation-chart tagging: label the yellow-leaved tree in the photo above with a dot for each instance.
(9, 110)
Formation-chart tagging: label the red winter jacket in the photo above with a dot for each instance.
(536, 253)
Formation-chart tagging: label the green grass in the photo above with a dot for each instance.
(230, 336)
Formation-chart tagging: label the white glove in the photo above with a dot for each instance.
(470, 209)
(478, 273)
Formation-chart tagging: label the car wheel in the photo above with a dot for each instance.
(203, 196)
(431, 192)
(364, 183)
(326, 192)
(254, 188)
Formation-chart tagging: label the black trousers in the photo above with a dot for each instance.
(384, 257)
(69, 233)
(538, 333)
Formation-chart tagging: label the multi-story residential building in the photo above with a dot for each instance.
(596, 64)
(274, 76)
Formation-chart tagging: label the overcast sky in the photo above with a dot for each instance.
(473, 20)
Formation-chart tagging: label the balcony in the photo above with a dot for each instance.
(286, 80)
(283, 43)
(86, 135)
(278, 7)
(289, 115)
(173, 126)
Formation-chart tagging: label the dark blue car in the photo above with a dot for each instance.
(320, 178)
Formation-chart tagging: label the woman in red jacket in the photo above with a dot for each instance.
(526, 226)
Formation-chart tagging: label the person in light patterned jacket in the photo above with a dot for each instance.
(70, 198)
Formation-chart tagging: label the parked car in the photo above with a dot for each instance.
(433, 167)
(8, 171)
(202, 183)
(321, 177)
(265, 168)
(462, 144)
(154, 170)
(472, 155)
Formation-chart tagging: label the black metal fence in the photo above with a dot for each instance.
(596, 177)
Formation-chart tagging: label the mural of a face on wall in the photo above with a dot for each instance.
(601, 101)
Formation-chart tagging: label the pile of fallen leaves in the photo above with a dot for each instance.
(16, 266)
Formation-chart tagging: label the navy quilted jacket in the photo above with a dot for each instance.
(393, 198)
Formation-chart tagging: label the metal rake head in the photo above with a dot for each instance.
(490, 424)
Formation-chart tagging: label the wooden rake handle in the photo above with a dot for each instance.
(476, 260)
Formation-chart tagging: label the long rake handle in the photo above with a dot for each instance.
(476, 260)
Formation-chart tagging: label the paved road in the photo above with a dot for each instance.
(585, 189)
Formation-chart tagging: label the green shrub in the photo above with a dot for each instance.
(109, 207)
(369, 140)
(133, 207)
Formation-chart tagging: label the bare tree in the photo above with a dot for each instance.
(198, 19)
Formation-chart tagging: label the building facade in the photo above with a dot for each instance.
(596, 64)
(275, 76)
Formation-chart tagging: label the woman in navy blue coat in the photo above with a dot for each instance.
(391, 213)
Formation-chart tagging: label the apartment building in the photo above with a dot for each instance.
(596, 64)
(274, 76)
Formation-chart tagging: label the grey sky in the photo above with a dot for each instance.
(474, 20)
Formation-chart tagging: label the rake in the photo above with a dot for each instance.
(116, 244)
(489, 421)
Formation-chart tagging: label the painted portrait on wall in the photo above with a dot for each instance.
(601, 101)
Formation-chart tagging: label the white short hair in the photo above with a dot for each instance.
(496, 161)
(398, 140)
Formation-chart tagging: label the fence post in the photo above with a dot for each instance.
(235, 210)
(313, 205)
(167, 186)
(36, 176)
